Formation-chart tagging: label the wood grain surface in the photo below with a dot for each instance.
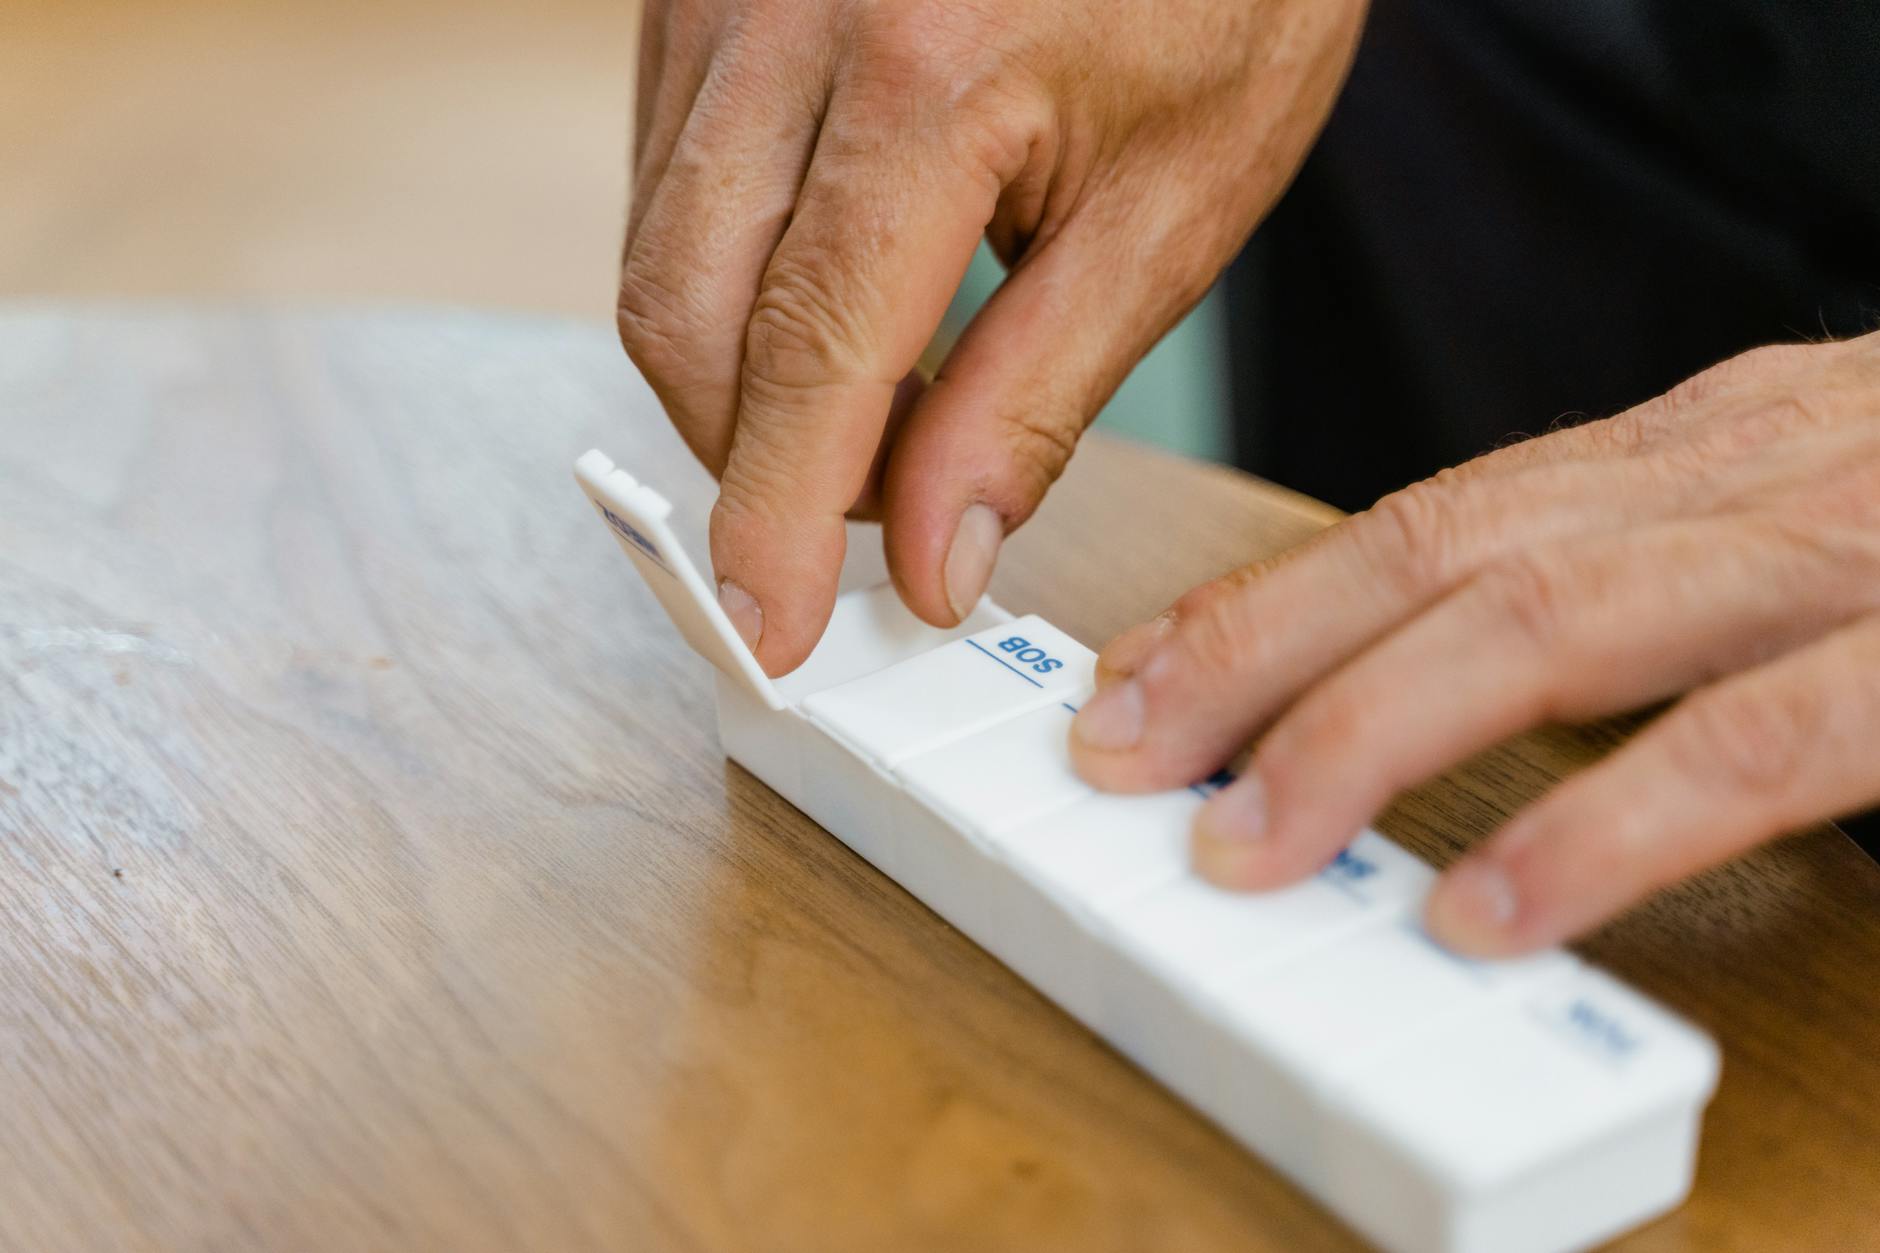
(468, 151)
(370, 877)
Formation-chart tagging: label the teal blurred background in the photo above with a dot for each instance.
(1177, 398)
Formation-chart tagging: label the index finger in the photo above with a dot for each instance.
(884, 227)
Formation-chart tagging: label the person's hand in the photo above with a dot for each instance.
(811, 179)
(1722, 540)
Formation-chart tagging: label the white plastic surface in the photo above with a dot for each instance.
(1303, 1011)
(1005, 776)
(637, 516)
(954, 690)
(1106, 850)
(1437, 1105)
(870, 630)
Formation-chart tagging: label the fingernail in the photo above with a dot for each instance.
(1229, 832)
(1472, 907)
(745, 613)
(1111, 721)
(969, 560)
(1236, 814)
(1128, 651)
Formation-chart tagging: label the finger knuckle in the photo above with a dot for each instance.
(650, 316)
(899, 46)
(1529, 594)
(1704, 386)
(1758, 365)
(992, 140)
(1705, 449)
(1786, 415)
(1625, 434)
(1217, 636)
(940, 51)
(1039, 445)
(1772, 359)
(1413, 538)
(797, 336)
(1780, 417)
(1197, 600)
(1749, 741)
(948, 74)
(758, 483)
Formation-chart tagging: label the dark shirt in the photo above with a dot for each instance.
(1523, 209)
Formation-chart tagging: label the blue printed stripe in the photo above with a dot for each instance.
(1002, 661)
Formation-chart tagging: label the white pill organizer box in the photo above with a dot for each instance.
(1431, 1102)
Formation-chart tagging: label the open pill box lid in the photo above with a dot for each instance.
(638, 517)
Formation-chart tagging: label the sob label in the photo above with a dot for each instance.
(1026, 653)
(1602, 1030)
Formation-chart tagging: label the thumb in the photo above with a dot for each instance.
(1000, 420)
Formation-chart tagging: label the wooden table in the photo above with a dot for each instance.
(370, 877)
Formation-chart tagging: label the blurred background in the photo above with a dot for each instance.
(408, 151)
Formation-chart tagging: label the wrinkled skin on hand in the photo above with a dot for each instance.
(1720, 544)
(811, 179)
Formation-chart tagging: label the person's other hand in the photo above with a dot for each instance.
(811, 179)
(1722, 541)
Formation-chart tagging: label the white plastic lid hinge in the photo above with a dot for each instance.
(637, 515)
